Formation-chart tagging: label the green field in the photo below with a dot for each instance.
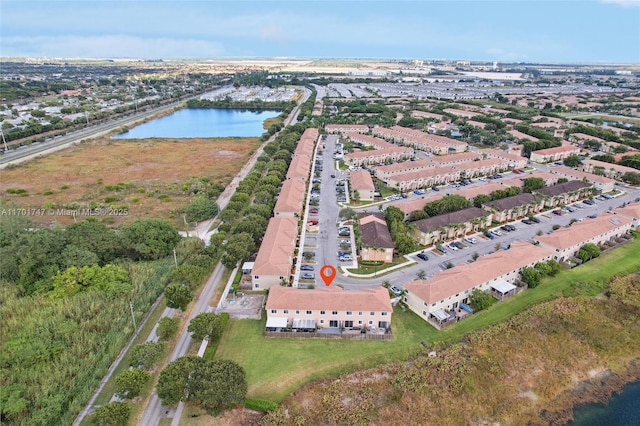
(276, 367)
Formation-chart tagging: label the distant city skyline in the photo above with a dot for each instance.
(587, 31)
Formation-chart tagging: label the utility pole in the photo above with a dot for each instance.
(133, 317)
(4, 140)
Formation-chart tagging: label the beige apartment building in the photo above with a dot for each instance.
(603, 168)
(632, 212)
(344, 128)
(376, 239)
(378, 156)
(554, 154)
(362, 183)
(449, 226)
(438, 299)
(291, 199)
(565, 242)
(514, 161)
(275, 256)
(324, 308)
(601, 183)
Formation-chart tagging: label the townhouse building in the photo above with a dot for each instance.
(603, 168)
(291, 199)
(360, 181)
(376, 239)
(435, 144)
(423, 178)
(344, 128)
(439, 299)
(513, 208)
(275, 256)
(369, 141)
(566, 242)
(554, 154)
(601, 183)
(451, 225)
(514, 161)
(299, 168)
(522, 136)
(290, 308)
(564, 193)
(630, 211)
(378, 156)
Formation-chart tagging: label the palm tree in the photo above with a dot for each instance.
(421, 274)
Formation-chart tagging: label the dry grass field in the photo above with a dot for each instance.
(144, 176)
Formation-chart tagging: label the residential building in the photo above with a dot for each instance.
(378, 156)
(564, 193)
(291, 198)
(324, 308)
(362, 183)
(275, 256)
(366, 140)
(630, 211)
(554, 154)
(344, 128)
(601, 183)
(566, 242)
(461, 113)
(515, 161)
(513, 208)
(449, 226)
(376, 239)
(603, 168)
(437, 299)
(522, 136)
(299, 168)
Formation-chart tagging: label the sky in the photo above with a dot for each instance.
(584, 31)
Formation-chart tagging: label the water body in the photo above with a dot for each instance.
(623, 409)
(202, 123)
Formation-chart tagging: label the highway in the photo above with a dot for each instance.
(28, 152)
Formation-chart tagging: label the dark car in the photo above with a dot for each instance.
(557, 212)
(505, 228)
(458, 244)
(536, 220)
(306, 268)
(423, 256)
(510, 228)
(527, 221)
(489, 235)
(435, 188)
(307, 276)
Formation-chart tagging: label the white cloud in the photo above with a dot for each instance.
(623, 3)
(110, 46)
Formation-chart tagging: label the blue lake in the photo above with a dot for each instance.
(202, 123)
(621, 410)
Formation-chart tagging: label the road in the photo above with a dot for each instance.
(36, 149)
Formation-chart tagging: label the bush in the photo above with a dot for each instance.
(260, 405)
(201, 208)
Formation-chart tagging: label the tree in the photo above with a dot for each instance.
(189, 275)
(481, 300)
(145, 355)
(111, 279)
(530, 276)
(238, 247)
(221, 385)
(207, 325)
(112, 414)
(149, 239)
(95, 237)
(172, 383)
(213, 385)
(572, 161)
(631, 178)
(481, 199)
(178, 296)
(392, 213)
(167, 328)
(200, 208)
(129, 383)
(417, 215)
(531, 184)
(588, 251)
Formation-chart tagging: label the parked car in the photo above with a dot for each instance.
(313, 211)
(535, 219)
(345, 241)
(557, 212)
(442, 248)
(452, 247)
(306, 268)
(395, 290)
(470, 240)
(435, 188)
(346, 233)
(496, 232)
(333, 176)
(505, 228)
(510, 228)
(308, 276)
(312, 221)
(345, 257)
(527, 221)
(458, 244)
(489, 235)
(423, 256)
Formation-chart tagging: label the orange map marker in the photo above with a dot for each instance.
(328, 273)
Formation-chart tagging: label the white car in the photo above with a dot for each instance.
(452, 247)
(470, 240)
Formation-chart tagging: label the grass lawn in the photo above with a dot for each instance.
(386, 191)
(276, 367)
